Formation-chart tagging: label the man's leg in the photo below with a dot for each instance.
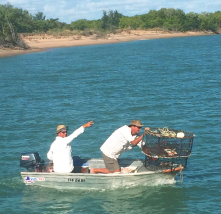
(110, 164)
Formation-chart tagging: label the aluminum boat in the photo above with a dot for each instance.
(134, 172)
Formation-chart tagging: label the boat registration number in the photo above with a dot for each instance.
(76, 180)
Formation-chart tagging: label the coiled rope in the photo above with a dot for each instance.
(163, 132)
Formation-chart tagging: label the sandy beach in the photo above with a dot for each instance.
(44, 42)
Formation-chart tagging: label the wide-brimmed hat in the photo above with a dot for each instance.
(61, 128)
(136, 123)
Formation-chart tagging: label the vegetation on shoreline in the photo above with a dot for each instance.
(14, 21)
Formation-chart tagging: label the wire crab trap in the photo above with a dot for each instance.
(167, 149)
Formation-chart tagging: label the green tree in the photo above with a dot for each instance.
(10, 17)
(162, 13)
(130, 22)
(207, 22)
(110, 20)
(174, 19)
(80, 24)
(22, 21)
(217, 18)
(39, 16)
(151, 20)
(191, 22)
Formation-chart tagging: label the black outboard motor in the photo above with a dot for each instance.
(32, 162)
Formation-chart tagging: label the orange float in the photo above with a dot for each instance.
(172, 170)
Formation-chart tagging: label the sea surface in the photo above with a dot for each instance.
(172, 82)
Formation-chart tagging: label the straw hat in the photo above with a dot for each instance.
(61, 128)
(136, 123)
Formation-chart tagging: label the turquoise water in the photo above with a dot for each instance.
(165, 82)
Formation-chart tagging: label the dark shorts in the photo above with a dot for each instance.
(110, 163)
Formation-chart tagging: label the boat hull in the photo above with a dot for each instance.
(95, 181)
(140, 177)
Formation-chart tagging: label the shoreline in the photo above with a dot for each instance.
(40, 43)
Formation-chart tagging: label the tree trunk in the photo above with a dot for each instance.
(12, 30)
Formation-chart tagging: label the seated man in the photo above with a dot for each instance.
(60, 150)
(121, 140)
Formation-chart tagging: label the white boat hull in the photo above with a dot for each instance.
(94, 181)
(141, 177)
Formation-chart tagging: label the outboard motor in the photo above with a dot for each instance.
(32, 162)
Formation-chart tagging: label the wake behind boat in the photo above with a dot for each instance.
(159, 164)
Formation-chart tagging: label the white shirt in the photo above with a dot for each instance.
(60, 152)
(119, 142)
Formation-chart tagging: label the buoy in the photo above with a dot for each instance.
(180, 135)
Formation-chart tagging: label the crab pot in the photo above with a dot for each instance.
(166, 164)
(161, 144)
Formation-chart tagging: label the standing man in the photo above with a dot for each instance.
(60, 150)
(121, 140)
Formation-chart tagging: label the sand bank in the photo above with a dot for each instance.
(44, 42)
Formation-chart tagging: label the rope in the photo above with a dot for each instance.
(163, 132)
